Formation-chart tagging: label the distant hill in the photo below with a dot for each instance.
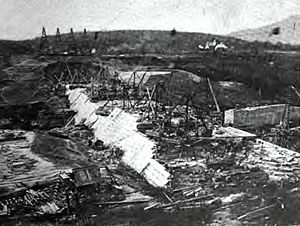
(149, 41)
(159, 42)
(131, 42)
(16, 47)
(286, 31)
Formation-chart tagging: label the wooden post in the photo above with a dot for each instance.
(186, 114)
(60, 78)
(213, 95)
(133, 80)
(150, 101)
(92, 87)
(123, 97)
(70, 74)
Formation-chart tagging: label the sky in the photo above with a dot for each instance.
(23, 19)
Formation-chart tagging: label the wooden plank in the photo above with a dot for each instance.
(124, 202)
(254, 212)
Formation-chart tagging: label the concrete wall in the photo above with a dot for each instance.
(119, 129)
(259, 116)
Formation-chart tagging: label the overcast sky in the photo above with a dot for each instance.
(22, 19)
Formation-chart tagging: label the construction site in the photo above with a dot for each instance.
(101, 140)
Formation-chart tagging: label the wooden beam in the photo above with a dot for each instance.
(186, 200)
(251, 213)
(124, 202)
(74, 77)
(142, 79)
(150, 102)
(70, 74)
(70, 121)
(295, 90)
(213, 95)
(58, 80)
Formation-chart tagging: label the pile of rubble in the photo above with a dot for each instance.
(136, 142)
(216, 172)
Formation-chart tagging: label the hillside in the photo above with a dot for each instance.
(288, 32)
(163, 42)
(269, 72)
(133, 42)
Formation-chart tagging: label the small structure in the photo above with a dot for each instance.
(214, 45)
(44, 42)
(86, 175)
(57, 36)
(71, 45)
(85, 44)
(261, 115)
(221, 46)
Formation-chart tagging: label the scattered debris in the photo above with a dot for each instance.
(151, 141)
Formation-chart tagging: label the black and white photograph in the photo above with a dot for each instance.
(149, 112)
